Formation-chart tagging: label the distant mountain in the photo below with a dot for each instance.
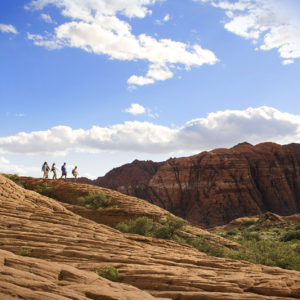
(213, 188)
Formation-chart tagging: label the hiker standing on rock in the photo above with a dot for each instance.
(53, 169)
(75, 173)
(63, 171)
(45, 169)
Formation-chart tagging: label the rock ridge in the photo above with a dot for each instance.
(213, 188)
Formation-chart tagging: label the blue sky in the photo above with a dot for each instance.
(99, 83)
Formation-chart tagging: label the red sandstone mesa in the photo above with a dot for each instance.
(213, 188)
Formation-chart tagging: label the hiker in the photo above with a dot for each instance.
(45, 169)
(63, 171)
(53, 169)
(75, 173)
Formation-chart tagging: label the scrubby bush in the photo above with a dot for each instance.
(202, 245)
(233, 231)
(248, 223)
(291, 235)
(273, 253)
(109, 272)
(25, 252)
(45, 190)
(95, 201)
(167, 228)
(142, 226)
(251, 236)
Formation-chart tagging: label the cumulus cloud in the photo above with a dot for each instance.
(136, 109)
(7, 28)
(96, 27)
(47, 18)
(156, 72)
(272, 24)
(165, 19)
(7, 167)
(219, 129)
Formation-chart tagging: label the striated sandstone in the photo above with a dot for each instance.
(162, 268)
(213, 188)
(36, 279)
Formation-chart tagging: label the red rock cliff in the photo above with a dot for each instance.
(213, 188)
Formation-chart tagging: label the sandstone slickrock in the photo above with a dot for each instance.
(128, 208)
(66, 241)
(36, 279)
(213, 188)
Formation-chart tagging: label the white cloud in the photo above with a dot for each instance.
(47, 18)
(20, 115)
(7, 28)
(156, 72)
(165, 19)
(288, 62)
(273, 24)
(136, 109)
(7, 167)
(95, 27)
(219, 129)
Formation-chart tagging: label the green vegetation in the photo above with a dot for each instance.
(15, 178)
(168, 228)
(45, 190)
(264, 243)
(95, 201)
(109, 272)
(25, 252)
(291, 235)
(248, 223)
(271, 246)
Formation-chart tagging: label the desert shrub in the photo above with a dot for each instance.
(45, 190)
(251, 236)
(167, 228)
(141, 226)
(296, 248)
(95, 201)
(248, 223)
(206, 247)
(109, 272)
(291, 235)
(15, 178)
(25, 252)
(233, 231)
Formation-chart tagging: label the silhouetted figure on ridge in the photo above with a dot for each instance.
(45, 169)
(75, 173)
(63, 171)
(53, 169)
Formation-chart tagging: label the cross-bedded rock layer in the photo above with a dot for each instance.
(213, 188)
(72, 247)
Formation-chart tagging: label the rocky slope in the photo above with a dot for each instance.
(66, 249)
(127, 207)
(213, 188)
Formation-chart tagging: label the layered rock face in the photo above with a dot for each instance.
(213, 188)
(66, 249)
(131, 179)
